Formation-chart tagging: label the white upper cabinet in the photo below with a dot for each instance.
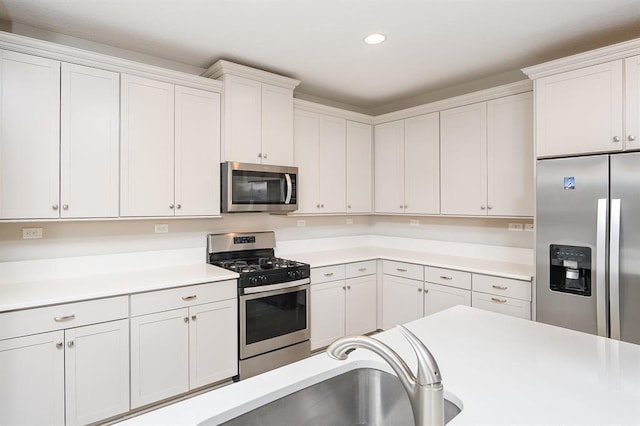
(580, 111)
(408, 165)
(320, 155)
(487, 158)
(332, 176)
(197, 152)
(242, 121)
(30, 137)
(389, 167)
(258, 114)
(632, 103)
(89, 142)
(277, 125)
(359, 167)
(510, 183)
(147, 154)
(170, 138)
(422, 164)
(463, 151)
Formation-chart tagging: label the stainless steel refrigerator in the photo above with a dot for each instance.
(588, 244)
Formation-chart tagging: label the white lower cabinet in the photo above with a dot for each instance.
(402, 300)
(73, 375)
(32, 380)
(343, 302)
(177, 350)
(502, 295)
(427, 291)
(439, 297)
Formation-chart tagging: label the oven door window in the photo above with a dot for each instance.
(258, 187)
(272, 316)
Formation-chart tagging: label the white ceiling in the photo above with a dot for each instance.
(431, 44)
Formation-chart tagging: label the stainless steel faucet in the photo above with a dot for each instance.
(425, 391)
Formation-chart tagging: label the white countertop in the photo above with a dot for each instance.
(30, 294)
(504, 370)
(516, 271)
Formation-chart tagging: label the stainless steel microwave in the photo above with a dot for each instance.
(258, 188)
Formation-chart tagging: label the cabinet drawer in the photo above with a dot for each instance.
(360, 269)
(401, 269)
(327, 273)
(504, 305)
(174, 298)
(448, 277)
(58, 317)
(502, 286)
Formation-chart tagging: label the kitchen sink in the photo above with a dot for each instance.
(362, 396)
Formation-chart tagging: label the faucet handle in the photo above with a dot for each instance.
(428, 370)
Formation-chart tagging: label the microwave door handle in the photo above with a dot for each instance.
(287, 199)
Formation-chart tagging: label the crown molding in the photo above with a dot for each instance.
(305, 105)
(581, 60)
(221, 68)
(457, 101)
(45, 49)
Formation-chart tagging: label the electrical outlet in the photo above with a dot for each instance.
(161, 228)
(528, 227)
(302, 223)
(31, 233)
(349, 221)
(515, 227)
(414, 222)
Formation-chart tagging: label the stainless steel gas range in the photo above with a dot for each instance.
(273, 300)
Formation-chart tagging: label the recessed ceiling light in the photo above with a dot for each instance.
(375, 38)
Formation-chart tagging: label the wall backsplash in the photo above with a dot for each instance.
(86, 238)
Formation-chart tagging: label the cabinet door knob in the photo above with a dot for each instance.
(186, 319)
(193, 317)
(171, 206)
(55, 207)
(401, 206)
(70, 343)
(482, 207)
(322, 206)
(631, 138)
(317, 206)
(344, 288)
(264, 155)
(419, 290)
(489, 207)
(426, 290)
(406, 206)
(348, 287)
(59, 345)
(349, 206)
(178, 206)
(259, 155)
(616, 138)
(65, 207)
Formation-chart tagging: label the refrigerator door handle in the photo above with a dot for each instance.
(601, 264)
(614, 269)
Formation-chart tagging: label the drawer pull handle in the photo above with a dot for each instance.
(444, 277)
(328, 274)
(401, 270)
(362, 269)
(65, 318)
(495, 299)
(187, 298)
(500, 287)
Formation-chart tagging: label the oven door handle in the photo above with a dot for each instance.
(272, 287)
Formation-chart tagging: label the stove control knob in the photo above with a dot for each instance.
(253, 280)
(263, 279)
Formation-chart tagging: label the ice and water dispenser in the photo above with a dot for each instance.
(570, 269)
